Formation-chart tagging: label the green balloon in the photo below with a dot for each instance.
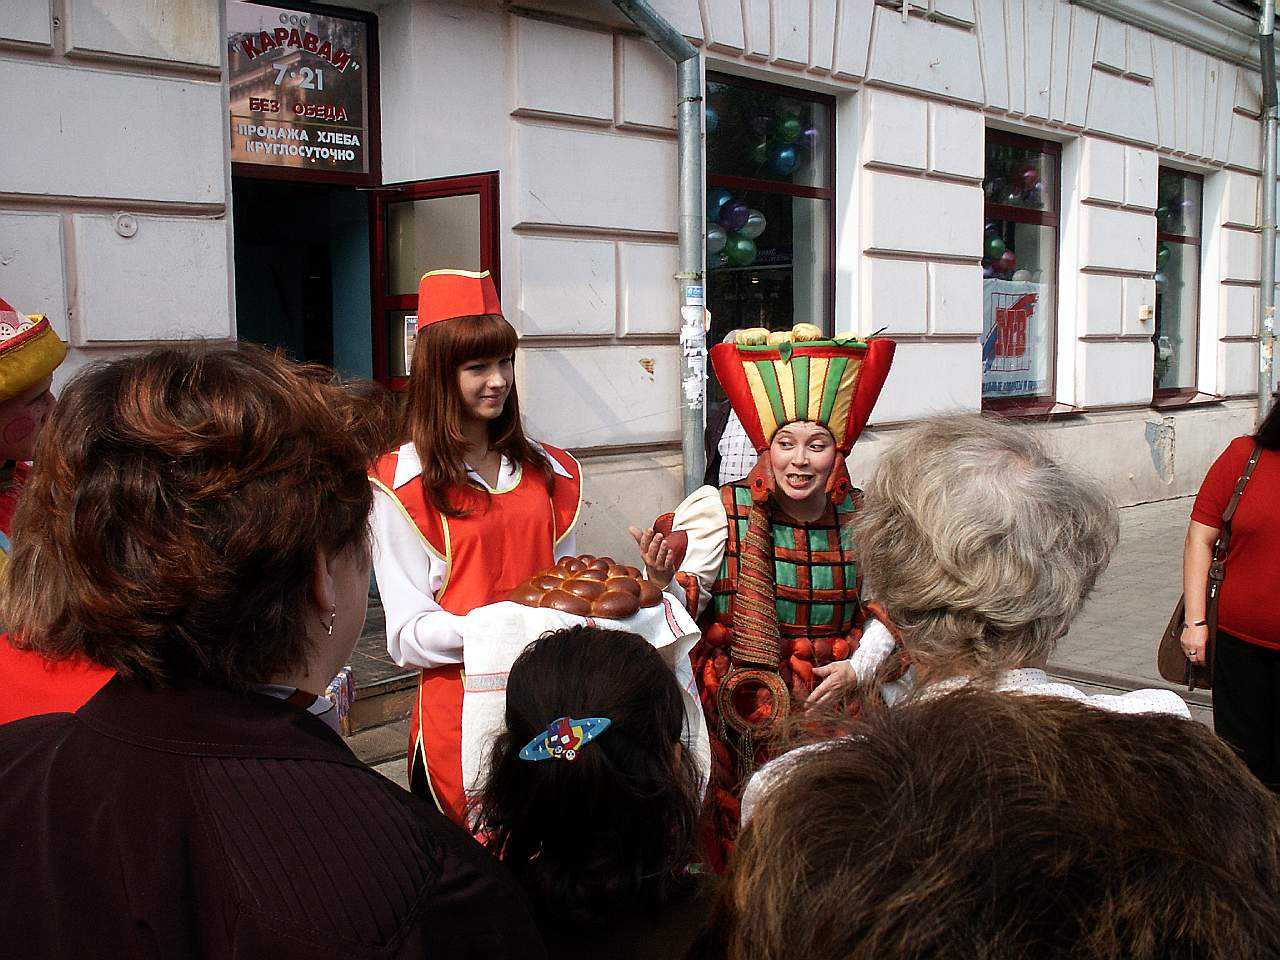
(994, 248)
(740, 251)
(788, 129)
(1162, 255)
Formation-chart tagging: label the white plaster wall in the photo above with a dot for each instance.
(115, 110)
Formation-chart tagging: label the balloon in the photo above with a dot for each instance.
(1162, 213)
(715, 260)
(784, 161)
(1159, 278)
(1162, 256)
(754, 226)
(733, 215)
(759, 154)
(788, 129)
(992, 228)
(1012, 195)
(711, 121)
(1007, 262)
(994, 248)
(1029, 176)
(717, 197)
(1034, 197)
(809, 138)
(716, 239)
(740, 251)
(988, 271)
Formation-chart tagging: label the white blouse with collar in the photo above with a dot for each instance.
(419, 632)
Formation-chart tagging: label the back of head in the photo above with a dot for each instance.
(975, 825)
(617, 822)
(979, 544)
(178, 505)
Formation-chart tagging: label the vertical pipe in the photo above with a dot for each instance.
(1267, 299)
(693, 332)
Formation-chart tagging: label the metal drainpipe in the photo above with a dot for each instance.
(1267, 300)
(693, 332)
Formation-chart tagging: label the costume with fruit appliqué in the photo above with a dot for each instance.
(778, 596)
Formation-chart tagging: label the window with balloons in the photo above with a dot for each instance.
(1177, 281)
(1019, 270)
(770, 192)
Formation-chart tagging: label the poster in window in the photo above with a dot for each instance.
(1015, 346)
(299, 89)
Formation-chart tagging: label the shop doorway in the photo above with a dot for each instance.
(448, 224)
(302, 271)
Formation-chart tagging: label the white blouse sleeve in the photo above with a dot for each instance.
(701, 515)
(419, 632)
(876, 645)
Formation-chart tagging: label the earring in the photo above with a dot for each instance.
(333, 615)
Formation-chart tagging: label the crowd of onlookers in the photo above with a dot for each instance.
(196, 523)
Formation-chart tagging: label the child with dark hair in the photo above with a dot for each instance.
(592, 799)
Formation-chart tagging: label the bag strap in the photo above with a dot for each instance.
(1224, 535)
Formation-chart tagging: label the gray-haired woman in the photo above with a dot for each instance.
(981, 548)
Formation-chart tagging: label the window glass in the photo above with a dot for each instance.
(436, 233)
(1177, 280)
(1019, 268)
(770, 190)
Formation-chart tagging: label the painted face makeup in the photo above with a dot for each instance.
(21, 420)
(485, 385)
(802, 456)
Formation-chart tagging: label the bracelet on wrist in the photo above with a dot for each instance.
(1198, 623)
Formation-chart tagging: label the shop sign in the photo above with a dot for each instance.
(1015, 343)
(299, 89)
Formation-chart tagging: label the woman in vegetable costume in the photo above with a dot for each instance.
(768, 561)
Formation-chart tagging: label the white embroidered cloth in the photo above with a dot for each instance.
(495, 635)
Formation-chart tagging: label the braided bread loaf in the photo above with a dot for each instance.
(588, 586)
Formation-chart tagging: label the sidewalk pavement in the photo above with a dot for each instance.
(1121, 624)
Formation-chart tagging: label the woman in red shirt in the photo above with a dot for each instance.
(1246, 657)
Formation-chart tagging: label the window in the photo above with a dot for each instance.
(1019, 270)
(1177, 281)
(770, 194)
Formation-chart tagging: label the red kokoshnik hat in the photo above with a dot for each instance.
(799, 376)
(446, 294)
(30, 350)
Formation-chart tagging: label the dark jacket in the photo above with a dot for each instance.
(206, 823)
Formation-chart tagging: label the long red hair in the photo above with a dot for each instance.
(435, 411)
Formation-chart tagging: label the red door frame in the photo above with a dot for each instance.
(484, 185)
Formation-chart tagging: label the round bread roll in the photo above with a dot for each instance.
(548, 581)
(650, 595)
(566, 602)
(587, 589)
(592, 574)
(626, 584)
(529, 595)
(752, 337)
(601, 563)
(571, 565)
(616, 605)
(777, 337)
(806, 333)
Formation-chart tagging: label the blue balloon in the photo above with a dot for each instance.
(733, 215)
(717, 197)
(711, 121)
(784, 161)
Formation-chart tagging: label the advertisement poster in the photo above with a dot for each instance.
(1015, 343)
(299, 89)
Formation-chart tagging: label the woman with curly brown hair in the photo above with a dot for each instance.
(200, 525)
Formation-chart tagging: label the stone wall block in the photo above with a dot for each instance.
(650, 298)
(1102, 170)
(955, 298)
(724, 26)
(1238, 368)
(1238, 307)
(956, 140)
(1241, 253)
(928, 379)
(1101, 305)
(922, 216)
(563, 70)
(31, 267)
(1122, 107)
(1117, 239)
(166, 282)
(895, 130)
(1240, 206)
(894, 295)
(598, 396)
(648, 86)
(948, 70)
(26, 21)
(567, 287)
(1114, 373)
(1141, 172)
(181, 31)
(1110, 51)
(1138, 292)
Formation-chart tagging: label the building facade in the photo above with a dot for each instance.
(1052, 206)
